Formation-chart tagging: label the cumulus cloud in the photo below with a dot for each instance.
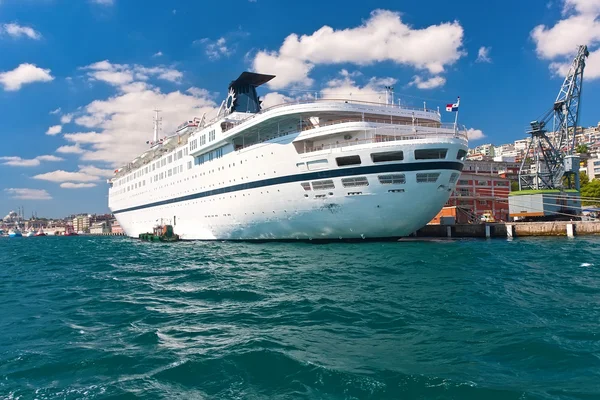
(28, 194)
(431, 83)
(345, 86)
(215, 49)
(475, 134)
(14, 161)
(54, 130)
(24, 74)
(580, 25)
(117, 127)
(124, 75)
(65, 176)
(16, 31)
(483, 55)
(383, 37)
(92, 170)
(70, 149)
(66, 118)
(273, 99)
(71, 185)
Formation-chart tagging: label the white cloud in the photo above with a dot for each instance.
(103, 2)
(483, 55)
(475, 134)
(66, 118)
(17, 31)
(54, 112)
(23, 74)
(346, 87)
(14, 161)
(71, 185)
(158, 54)
(119, 126)
(70, 150)
(580, 26)
(582, 6)
(65, 176)
(28, 194)
(54, 130)
(383, 37)
(215, 49)
(85, 177)
(431, 83)
(50, 158)
(91, 170)
(273, 99)
(124, 75)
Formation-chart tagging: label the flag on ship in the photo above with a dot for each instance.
(453, 107)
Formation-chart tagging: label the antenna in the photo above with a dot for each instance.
(157, 123)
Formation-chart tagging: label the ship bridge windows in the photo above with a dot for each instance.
(348, 160)
(387, 156)
(430, 154)
(461, 155)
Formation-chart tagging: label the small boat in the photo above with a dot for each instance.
(161, 233)
(14, 233)
(40, 232)
(30, 233)
(69, 231)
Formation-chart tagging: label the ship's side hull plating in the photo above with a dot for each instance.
(260, 193)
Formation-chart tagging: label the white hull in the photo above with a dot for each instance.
(283, 211)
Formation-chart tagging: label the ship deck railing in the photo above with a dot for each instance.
(394, 131)
(327, 100)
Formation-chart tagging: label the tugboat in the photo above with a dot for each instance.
(161, 233)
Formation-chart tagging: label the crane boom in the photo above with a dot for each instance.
(548, 159)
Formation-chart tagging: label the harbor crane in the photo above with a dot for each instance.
(550, 160)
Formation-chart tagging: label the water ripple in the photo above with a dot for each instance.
(116, 318)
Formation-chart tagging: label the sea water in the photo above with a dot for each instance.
(111, 317)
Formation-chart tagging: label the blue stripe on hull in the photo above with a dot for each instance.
(334, 173)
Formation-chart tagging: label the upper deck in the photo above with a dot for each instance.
(319, 116)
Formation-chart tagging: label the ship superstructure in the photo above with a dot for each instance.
(316, 169)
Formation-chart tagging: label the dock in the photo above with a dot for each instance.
(510, 229)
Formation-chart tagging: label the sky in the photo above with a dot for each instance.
(79, 78)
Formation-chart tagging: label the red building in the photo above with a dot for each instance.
(482, 193)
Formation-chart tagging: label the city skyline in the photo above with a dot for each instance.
(79, 82)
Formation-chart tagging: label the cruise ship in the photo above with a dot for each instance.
(320, 169)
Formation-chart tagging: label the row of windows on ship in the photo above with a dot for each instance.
(386, 156)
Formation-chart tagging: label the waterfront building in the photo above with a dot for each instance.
(116, 228)
(593, 168)
(81, 223)
(480, 194)
(100, 228)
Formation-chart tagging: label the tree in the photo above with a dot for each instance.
(583, 179)
(514, 186)
(591, 193)
(581, 149)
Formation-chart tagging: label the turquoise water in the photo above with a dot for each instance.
(103, 317)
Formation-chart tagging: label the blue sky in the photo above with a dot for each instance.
(79, 79)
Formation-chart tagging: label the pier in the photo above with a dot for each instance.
(511, 229)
